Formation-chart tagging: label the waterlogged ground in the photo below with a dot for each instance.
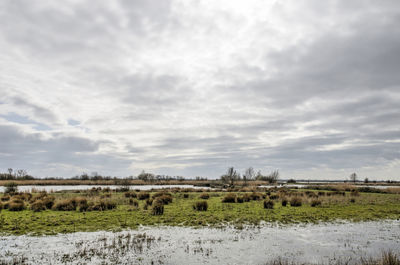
(322, 243)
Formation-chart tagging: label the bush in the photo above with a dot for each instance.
(38, 206)
(143, 195)
(48, 201)
(65, 205)
(5, 198)
(352, 200)
(284, 202)
(268, 204)
(186, 195)
(296, 202)
(130, 194)
(164, 200)
(354, 193)
(133, 202)
(200, 206)
(204, 196)
(255, 196)
(315, 203)
(230, 197)
(103, 205)
(149, 202)
(161, 194)
(274, 197)
(16, 205)
(158, 209)
(239, 199)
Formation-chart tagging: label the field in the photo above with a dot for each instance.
(95, 210)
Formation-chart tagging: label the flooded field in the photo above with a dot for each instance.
(54, 188)
(322, 243)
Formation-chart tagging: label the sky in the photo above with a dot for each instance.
(179, 87)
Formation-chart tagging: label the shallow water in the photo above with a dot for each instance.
(320, 243)
(53, 188)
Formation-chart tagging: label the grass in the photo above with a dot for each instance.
(117, 211)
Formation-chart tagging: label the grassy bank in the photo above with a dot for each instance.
(110, 210)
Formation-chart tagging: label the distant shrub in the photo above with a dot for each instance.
(268, 204)
(186, 195)
(321, 193)
(239, 199)
(38, 206)
(200, 206)
(311, 194)
(296, 202)
(352, 200)
(143, 195)
(158, 209)
(230, 197)
(204, 196)
(315, 202)
(284, 202)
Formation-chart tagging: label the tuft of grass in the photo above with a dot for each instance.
(296, 202)
(229, 198)
(268, 204)
(315, 202)
(204, 196)
(158, 209)
(143, 195)
(200, 206)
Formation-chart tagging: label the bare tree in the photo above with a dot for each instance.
(230, 177)
(353, 177)
(10, 171)
(249, 174)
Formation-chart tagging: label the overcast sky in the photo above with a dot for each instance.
(309, 87)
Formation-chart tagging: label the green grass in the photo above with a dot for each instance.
(368, 206)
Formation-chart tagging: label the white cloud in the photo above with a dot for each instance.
(192, 87)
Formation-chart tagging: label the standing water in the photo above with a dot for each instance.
(322, 243)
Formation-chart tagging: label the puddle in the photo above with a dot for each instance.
(323, 243)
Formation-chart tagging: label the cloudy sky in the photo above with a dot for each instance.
(180, 87)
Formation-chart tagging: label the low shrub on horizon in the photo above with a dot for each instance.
(204, 196)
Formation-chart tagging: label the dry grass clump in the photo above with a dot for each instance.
(315, 202)
(268, 204)
(186, 195)
(229, 198)
(284, 202)
(200, 206)
(133, 202)
(204, 196)
(255, 196)
(296, 202)
(158, 209)
(274, 197)
(5, 198)
(164, 199)
(143, 195)
(102, 205)
(16, 205)
(354, 193)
